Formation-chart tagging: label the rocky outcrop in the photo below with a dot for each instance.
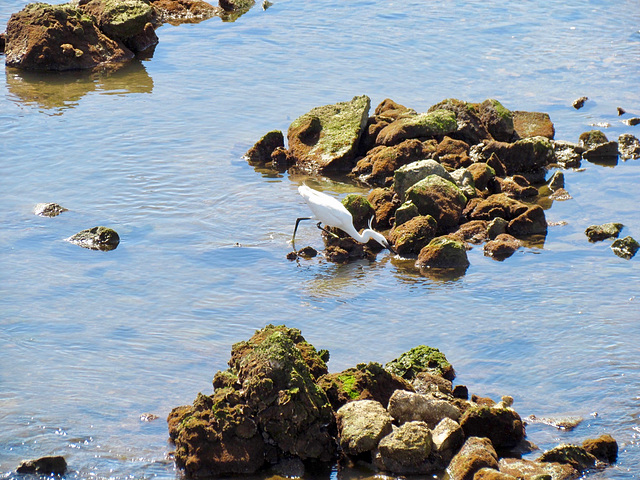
(44, 466)
(59, 37)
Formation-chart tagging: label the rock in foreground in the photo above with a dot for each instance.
(96, 238)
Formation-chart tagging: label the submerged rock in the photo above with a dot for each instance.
(184, 11)
(625, 247)
(48, 209)
(596, 233)
(55, 465)
(561, 423)
(59, 37)
(326, 138)
(96, 238)
(532, 470)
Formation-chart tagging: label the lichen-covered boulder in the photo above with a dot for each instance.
(476, 453)
(408, 175)
(406, 450)
(421, 359)
(604, 448)
(597, 233)
(526, 155)
(96, 238)
(363, 382)
(440, 198)
(502, 425)
(380, 163)
(128, 21)
(57, 38)
(497, 119)
(261, 152)
(409, 406)
(361, 425)
(326, 138)
(423, 125)
(574, 455)
(48, 209)
(502, 247)
(443, 253)
(410, 237)
(625, 247)
(529, 469)
(532, 124)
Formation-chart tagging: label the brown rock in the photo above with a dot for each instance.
(474, 231)
(385, 204)
(261, 152)
(502, 247)
(475, 454)
(443, 252)
(453, 154)
(492, 474)
(530, 470)
(439, 198)
(503, 426)
(184, 11)
(533, 124)
(59, 37)
(530, 222)
(516, 186)
(470, 128)
(523, 156)
(604, 448)
(482, 174)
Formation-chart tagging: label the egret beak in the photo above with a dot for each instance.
(390, 248)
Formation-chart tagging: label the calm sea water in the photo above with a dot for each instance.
(91, 340)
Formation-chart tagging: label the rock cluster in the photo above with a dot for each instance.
(84, 34)
(458, 174)
(277, 408)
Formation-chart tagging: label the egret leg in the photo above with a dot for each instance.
(319, 225)
(293, 239)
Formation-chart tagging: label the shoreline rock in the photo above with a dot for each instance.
(276, 408)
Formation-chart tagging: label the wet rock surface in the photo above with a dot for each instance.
(48, 209)
(277, 409)
(96, 238)
(55, 465)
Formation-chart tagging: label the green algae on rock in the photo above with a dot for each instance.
(440, 198)
(411, 236)
(597, 233)
(421, 359)
(443, 252)
(360, 209)
(625, 247)
(326, 138)
(423, 125)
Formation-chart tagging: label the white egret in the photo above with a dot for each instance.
(331, 212)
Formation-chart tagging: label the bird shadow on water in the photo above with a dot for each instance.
(56, 92)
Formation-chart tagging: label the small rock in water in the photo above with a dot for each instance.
(632, 121)
(557, 180)
(625, 247)
(48, 209)
(561, 423)
(621, 111)
(628, 147)
(596, 233)
(307, 252)
(148, 417)
(560, 195)
(579, 103)
(96, 238)
(56, 465)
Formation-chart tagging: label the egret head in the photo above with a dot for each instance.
(378, 237)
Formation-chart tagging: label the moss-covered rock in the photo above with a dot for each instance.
(628, 147)
(361, 210)
(405, 212)
(523, 156)
(482, 174)
(423, 125)
(592, 139)
(48, 209)
(474, 231)
(440, 198)
(410, 237)
(184, 11)
(497, 119)
(363, 382)
(470, 129)
(604, 448)
(128, 21)
(326, 138)
(502, 247)
(261, 152)
(421, 359)
(443, 253)
(597, 233)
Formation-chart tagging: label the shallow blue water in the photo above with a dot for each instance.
(89, 340)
